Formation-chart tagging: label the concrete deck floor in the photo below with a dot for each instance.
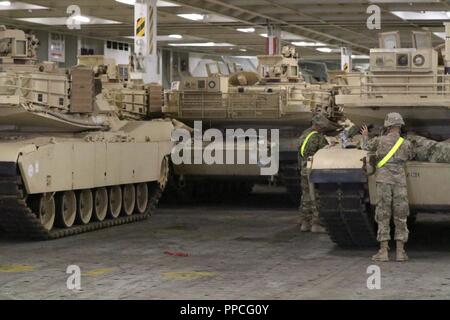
(236, 251)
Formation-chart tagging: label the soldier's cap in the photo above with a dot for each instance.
(394, 119)
(320, 120)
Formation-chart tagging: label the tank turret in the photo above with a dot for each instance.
(277, 92)
(132, 98)
(406, 80)
(88, 96)
(52, 99)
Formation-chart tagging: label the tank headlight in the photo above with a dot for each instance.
(419, 60)
(212, 84)
(402, 60)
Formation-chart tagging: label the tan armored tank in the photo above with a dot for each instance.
(401, 80)
(277, 97)
(70, 161)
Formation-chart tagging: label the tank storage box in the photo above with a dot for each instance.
(82, 90)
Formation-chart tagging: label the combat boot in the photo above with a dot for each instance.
(401, 254)
(383, 253)
(306, 226)
(300, 221)
(317, 228)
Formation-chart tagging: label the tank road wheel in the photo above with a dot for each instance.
(115, 202)
(129, 199)
(100, 204)
(66, 204)
(141, 198)
(46, 211)
(85, 207)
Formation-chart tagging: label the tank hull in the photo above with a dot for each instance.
(288, 145)
(50, 166)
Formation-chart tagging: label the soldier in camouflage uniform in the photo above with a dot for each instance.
(311, 141)
(392, 152)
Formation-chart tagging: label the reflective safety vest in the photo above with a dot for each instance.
(302, 150)
(391, 153)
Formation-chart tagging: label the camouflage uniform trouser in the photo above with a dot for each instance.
(308, 209)
(392, 202)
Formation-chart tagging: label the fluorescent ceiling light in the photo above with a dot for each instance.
(422, 15)
(169, 38)
(404, 1)
(159, 3)
(63, 21)
(246, 30)
(361, 56)
(175, 36)
(214, 18)
(8, 5)
(243, 50)
(325, 50)
(286, 36)
(167, 4)
(192, 16)
(201, 44)
(308, 44)
(290, 36)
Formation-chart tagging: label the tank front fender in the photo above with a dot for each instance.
(9, 155)
(336, 165)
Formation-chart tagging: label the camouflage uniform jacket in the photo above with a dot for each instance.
(315, 143)
(394, 171)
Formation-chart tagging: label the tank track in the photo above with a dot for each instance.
(290, 176)
(17, 219)
(346, 213)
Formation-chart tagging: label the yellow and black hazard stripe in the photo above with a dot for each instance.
(140, 27)
(346, 67)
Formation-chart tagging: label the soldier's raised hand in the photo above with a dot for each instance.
(364, 130)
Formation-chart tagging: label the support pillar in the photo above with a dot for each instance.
(447, 47)
(273, 40)
(346, 59)
(145, 43)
